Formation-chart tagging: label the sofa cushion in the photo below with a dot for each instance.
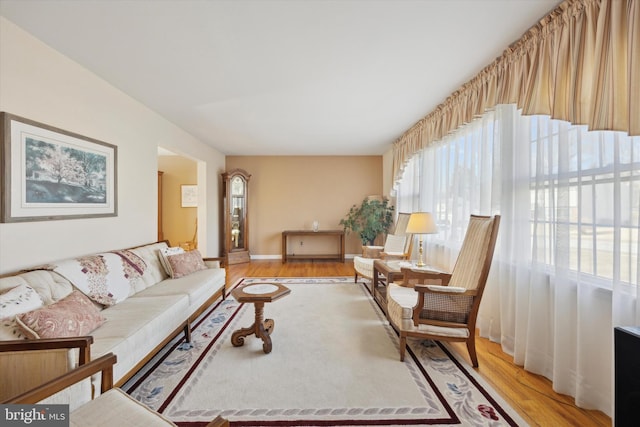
(106, 277)
(136, 326)
(185, 263)
(155, 271)
(199, 286)
(48, 284)
(72, 316)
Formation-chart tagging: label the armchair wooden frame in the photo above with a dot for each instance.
(103, 364)
(29, 363)
(443, 312)
(83, 344)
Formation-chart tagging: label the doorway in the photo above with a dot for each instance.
(177, 199)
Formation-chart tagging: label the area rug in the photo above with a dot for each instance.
(335, 361)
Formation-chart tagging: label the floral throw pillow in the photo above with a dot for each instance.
(164, 255)
(186, 263)
(10, 330)
(17, 300)
(73, 316)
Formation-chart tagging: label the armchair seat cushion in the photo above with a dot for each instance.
(116, 408)
(363, 266)
(442, 331)
(400, 303)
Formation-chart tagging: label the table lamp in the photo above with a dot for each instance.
(421, 223)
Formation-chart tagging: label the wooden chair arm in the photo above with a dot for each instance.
(82, 343)
(219, 422)
(425, 289)
(371, 252)
(102, 364)
(393, 256)
(410, 273)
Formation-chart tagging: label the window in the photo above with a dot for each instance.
(579, 191)
(585, 193)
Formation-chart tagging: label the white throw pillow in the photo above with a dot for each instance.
(164, 255)
(18, 300)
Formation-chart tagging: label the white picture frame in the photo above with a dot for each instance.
(51, 174)
(189, 197)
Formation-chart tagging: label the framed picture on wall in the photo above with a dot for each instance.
(189, 196)
(51, 174)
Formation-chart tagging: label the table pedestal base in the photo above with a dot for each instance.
(261, 329)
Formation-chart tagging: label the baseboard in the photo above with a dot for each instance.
(259, 257)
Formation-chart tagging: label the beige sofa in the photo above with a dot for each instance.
(155, 309)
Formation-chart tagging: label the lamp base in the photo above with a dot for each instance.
(420, 262)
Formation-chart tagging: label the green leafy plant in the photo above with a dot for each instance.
(369, 220)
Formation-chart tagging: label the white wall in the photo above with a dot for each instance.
(38, 83)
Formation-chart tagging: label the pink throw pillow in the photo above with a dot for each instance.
(73, 316)
(186, 263)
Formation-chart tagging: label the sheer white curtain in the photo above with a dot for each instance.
(566, 268)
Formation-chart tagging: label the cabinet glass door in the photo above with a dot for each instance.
(238, 212)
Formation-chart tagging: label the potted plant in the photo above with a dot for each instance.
(369, 220)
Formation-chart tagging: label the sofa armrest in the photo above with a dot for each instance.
(103, 364)
(220, 260)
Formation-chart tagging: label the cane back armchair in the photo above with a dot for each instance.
(446, 311)
(398, 245)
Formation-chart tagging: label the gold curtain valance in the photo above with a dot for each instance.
(580, 63)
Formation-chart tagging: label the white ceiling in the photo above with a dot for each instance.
(306, 77)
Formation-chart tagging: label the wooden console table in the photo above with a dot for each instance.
(332, 233)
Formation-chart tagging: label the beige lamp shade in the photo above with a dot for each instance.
(421, 223)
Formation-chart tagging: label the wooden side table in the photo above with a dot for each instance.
(258, 294)
(384, 272)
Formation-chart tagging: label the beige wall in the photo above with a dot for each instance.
(290, 192)
(178, 223)
(41, 84)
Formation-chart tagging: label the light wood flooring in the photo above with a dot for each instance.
(531, 395)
